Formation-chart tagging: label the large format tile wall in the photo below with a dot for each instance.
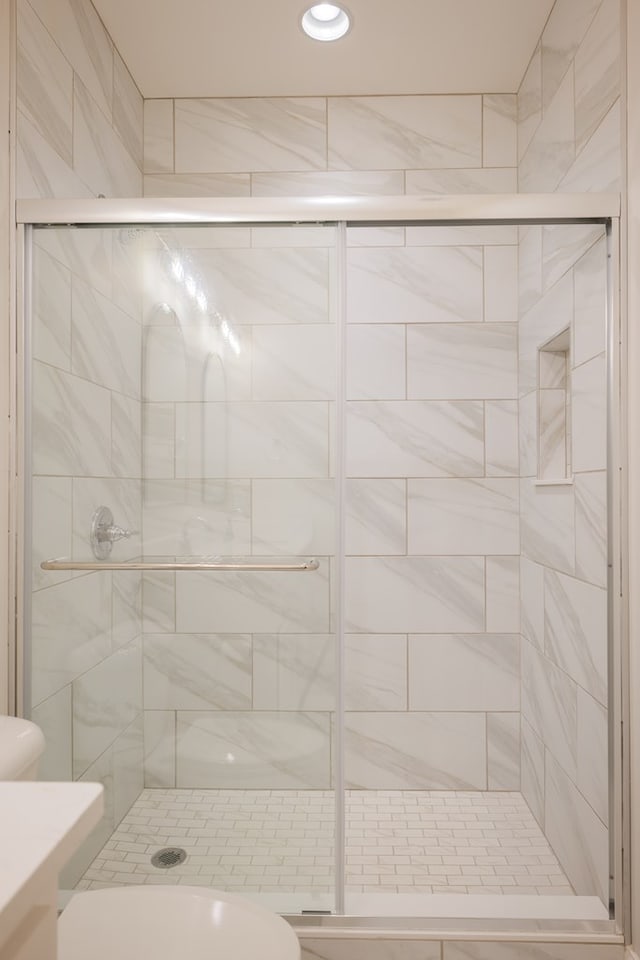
(432, 670)
(79, 135)
(569, 141)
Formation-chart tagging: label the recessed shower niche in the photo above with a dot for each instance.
(554, 408)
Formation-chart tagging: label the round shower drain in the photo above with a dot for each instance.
(169, 857)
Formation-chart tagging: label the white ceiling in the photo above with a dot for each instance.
(248, 48)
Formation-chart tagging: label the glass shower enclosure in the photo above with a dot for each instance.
(319, 528)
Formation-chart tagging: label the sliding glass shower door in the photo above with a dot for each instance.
(322, 586)
(184, 379)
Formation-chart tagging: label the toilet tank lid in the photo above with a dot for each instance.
(21, 743)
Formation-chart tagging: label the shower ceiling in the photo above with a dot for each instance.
(246, 48)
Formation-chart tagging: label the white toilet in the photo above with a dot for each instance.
(21, 746)
(171, 923)
(164, 922)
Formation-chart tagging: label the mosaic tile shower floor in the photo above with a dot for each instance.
(270, 841)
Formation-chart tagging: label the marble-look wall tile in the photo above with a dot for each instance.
(375, 671)
(414, 594)
(127, 277)
(532, 769)
(547, 525)
(576, 631)
(361, 235)
(87, 252)
(499, 130)
(528, 435)
(530, 103)
(267, 439)
(591, 527)
(576, 834)
(462, 361)
(597, 168)
(128, 768)
(563, 33)
(481, 235)
(502, 594)
(464, 672)
(501, 284)
(193, 362)
(414, 285)
(501, 950)
(416, 438)
(294, 517)
(532, 601)
(549, 705)
(41, 172)
(197, 184)
(158, 440)
(59, 656)
(590, 292)
(376, 516)
(597, 70)
(106, 343)
(376, 361)
(552, 434)
(294, 362)
(71, 424)
(45, 82)
(357, 183)
(239, 135)
(562, 247)
(419, 132)
(266, 286)
(593, 754)
(366, 949)
(501, 438)
(483, 180)
(460, 516)
(552, 148)
(159, 602)
(126, 607)
(51, 512)
(529, 266)
(79, 33)
(269, 750)
(589, 416)
(197, 672)
(128, 117)
(100, 158)
(159, 748)
(427, 751)
(126, 436)
(106, 700)
(196, 517)
(53, 716)
(158, 138)
(250, 602)
(294, 671)
(503, 751)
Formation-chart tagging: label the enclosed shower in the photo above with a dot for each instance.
(346, 638)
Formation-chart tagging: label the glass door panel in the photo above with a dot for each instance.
(183, 378)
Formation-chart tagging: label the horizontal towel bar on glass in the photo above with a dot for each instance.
(215, 564)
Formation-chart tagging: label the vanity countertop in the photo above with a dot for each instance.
(41, 826)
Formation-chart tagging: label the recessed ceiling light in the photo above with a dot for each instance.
(325, 21)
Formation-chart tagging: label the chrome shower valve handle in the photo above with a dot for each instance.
(104, 533)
